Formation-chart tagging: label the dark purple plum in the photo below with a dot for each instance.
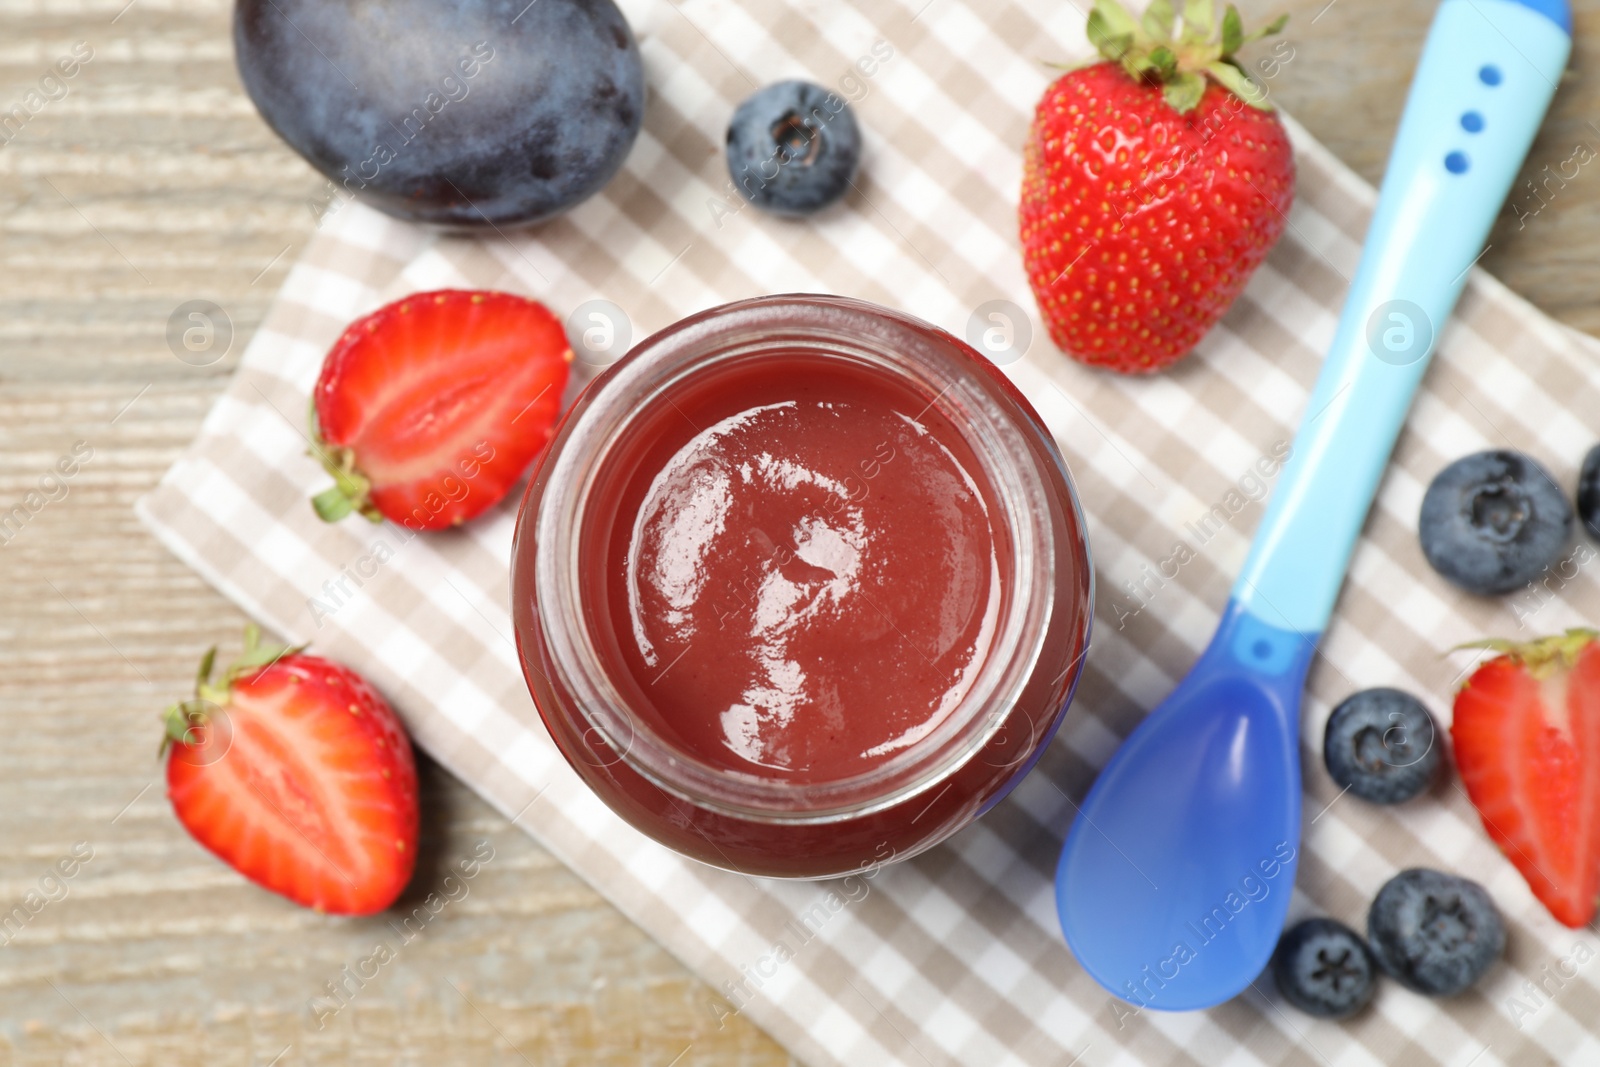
(460, 113)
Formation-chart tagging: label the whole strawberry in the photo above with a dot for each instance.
(1153, 185)
(297, 774)
(1527, 745)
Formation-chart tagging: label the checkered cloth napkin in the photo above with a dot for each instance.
(954, 956)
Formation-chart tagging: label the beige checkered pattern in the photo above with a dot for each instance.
(954, 957)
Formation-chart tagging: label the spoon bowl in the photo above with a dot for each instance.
(1193, 827)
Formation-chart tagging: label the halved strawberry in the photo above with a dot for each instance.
(296, 773)
(429, 409)
(1527, 745)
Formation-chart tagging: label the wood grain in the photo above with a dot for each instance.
(153, 183)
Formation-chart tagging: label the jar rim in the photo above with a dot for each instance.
(921, 356)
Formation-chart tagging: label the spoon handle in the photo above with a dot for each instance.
(1487, 73)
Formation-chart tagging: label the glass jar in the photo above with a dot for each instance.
(721, 790)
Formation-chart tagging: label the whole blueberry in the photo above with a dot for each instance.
(1380, 744)
(793, 147)
(463, 113)
(1324, 968)
(1492, 521)
(1435, 933)
(1589, 492)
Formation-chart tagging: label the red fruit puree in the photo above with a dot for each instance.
(802, 567)
(800, 586)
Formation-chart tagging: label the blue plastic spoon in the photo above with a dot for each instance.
(1176, 875)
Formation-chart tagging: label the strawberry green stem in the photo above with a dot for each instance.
(180, 719)
(1180, 53)
(1541, 655)
(351, 490)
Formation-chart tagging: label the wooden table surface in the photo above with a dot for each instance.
(150, 183)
